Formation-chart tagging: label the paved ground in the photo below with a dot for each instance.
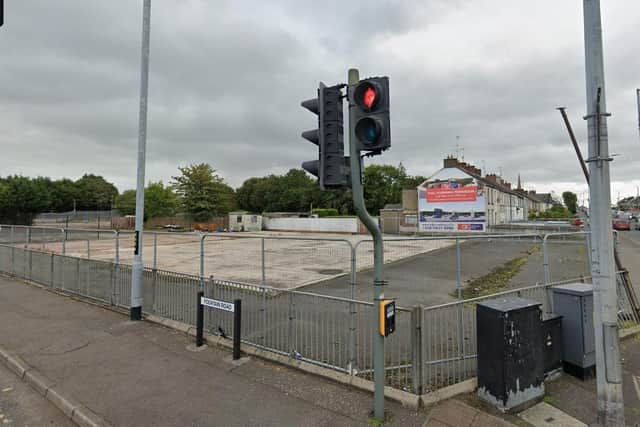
(430, 278)
(290, 259)
(578, 398)
(629, 247)
(456, 413)
(142, 374)
(22, 406)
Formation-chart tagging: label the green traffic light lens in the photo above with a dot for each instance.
(368, 130)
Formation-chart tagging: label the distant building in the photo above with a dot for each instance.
(457, 198)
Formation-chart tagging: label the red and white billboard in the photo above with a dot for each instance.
(452, 201)
(455, 193)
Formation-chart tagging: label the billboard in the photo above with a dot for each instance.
(452, 201)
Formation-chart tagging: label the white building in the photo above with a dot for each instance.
(458, 199)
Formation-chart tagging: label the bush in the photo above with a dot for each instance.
(322, 212)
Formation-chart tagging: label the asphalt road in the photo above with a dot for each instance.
(431, 278)
(22, 406)
(629, 247)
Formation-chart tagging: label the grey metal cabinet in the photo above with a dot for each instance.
(574, 302)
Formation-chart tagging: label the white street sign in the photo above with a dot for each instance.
(220, 305)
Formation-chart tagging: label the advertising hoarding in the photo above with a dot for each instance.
(452, 201)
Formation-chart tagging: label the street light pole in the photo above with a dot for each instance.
(608, 369)
(137, 266)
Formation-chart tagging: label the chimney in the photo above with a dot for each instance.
(450, 162)
(507, 184)
(492, 177)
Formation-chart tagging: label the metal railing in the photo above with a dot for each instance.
(433, 346)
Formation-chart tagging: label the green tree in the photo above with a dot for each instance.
(570, 201)
(23, 197)
(383, 184)
(94, 192)
(63, 193)
(159, 200)
(126, 202)
(203, 193)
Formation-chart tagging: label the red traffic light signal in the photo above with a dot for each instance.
(368, 95)
(371, 123)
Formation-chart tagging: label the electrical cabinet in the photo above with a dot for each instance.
(574, 302)
(510, 354)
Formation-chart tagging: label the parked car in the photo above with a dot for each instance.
(621, 224)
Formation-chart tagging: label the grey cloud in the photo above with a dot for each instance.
(227, 79)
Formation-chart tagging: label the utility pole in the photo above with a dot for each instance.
(608, 369)
(137, 267)
(638, 101)
(378, 252)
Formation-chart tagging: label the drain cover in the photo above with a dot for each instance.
(330, 271)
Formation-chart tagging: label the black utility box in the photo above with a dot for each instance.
(510, 357)
(552, 342)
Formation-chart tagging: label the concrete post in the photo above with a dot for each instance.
(608, 369)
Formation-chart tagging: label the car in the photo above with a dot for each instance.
(621, 224)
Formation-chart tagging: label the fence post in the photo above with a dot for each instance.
(78, 274)
(88, 249)
(458, 270)
(112, 281)
(353, 342)
(202, 237)
(64, 242)
(13, 251)
(416, 350)
(44, 236)
(545, 261)
(30, 255)
(292, 346)
(264, 296)
(117, 246)
(547, 276)
(51, 271)
(155, 252)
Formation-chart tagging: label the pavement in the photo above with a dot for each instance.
(578, 398)
(139, 373)
(22, 406)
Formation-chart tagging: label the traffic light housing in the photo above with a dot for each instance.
(372, 125)
(331, 167)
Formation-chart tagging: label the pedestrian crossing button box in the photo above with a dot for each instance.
(387, 317)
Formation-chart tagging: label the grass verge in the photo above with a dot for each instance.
(497, 279)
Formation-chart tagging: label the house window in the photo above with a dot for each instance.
(239, 219)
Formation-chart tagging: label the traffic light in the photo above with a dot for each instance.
(370, 100)
(331, 167)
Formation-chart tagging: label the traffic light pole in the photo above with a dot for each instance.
(378, 254)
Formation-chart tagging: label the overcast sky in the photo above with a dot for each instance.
(227, 78)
